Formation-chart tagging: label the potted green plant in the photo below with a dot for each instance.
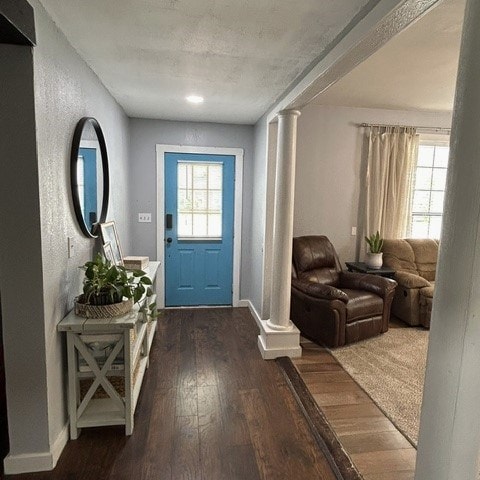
(110, 290)
(374, 255)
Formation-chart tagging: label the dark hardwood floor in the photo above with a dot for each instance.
(210, 408)
(378, 450)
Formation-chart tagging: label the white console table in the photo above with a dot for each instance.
(127, 341)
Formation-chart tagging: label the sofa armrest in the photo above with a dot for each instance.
(410, 280)
(319, 290)
(381, 286)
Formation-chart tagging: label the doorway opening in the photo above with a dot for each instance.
(201, 172)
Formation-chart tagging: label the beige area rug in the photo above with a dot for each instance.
(391, 369)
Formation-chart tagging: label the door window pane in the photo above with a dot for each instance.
(214, 225)
(81, 181)
(182, 176)
(199, 225)
(215, 201)
(200, 176)
(184, 225)
(199, 199)
(184, 200)
(215, 177)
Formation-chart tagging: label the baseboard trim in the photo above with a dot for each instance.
(243, 303)
(254, 312)
(28, 463)
(59, 443)
(37, 462)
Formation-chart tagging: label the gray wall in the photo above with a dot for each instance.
(21, 281)
(65, 90)
(144, 136)
(257, 236)
(328, 175)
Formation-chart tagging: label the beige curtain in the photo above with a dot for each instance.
(392, 154)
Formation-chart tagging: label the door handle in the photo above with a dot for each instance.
(168, 240)
(168, 221)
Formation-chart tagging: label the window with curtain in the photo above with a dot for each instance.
(428, 190)
(392, 153)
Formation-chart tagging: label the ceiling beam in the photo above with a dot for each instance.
(17, 23)
(385, 20)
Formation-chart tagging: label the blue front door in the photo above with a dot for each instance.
(89, 209)
(199, 207)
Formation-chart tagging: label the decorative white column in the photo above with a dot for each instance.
(449, 443)
(278, 336)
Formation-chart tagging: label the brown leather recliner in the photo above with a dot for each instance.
(333, 307)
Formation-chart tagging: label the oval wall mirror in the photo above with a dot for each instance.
(89, 175)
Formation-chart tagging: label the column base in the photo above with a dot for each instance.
(280, 328)
(274, 343)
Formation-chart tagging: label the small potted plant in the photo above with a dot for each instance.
(110, 290)
(374, 255)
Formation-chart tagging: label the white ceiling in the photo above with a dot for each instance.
(241, 55)
(416, 70)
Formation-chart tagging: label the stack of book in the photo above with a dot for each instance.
(116, 365)
(136, 263)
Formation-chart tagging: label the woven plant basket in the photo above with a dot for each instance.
(102, 311)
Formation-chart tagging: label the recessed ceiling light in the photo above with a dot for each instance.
(195, 99)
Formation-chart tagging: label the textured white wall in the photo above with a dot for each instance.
(329, 159)
(65, 89)
(144, 136)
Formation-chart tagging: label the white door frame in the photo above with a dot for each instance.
(237, 222)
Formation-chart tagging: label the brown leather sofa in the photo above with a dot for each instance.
(333, 307)
(415, 265)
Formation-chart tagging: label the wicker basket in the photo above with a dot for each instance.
(118, 383)
(102, 311)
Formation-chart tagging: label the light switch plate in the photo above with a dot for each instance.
(71, 247)
(145, 218)
(354, 231)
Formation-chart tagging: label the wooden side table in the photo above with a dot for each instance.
(361, 267)
(126, 343)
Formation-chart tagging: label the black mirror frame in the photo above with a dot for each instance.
(77, 136)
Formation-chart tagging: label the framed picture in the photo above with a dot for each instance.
(109, 235)
(108, 252)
